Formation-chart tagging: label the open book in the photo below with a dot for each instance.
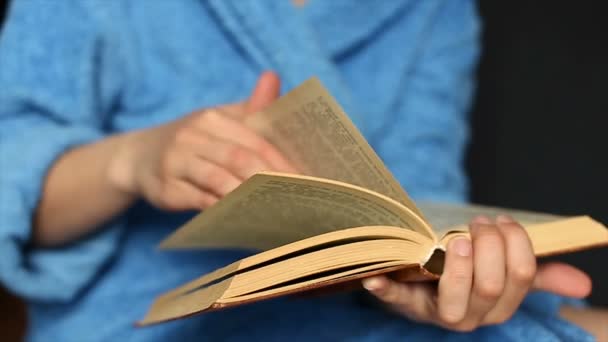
(344, 218)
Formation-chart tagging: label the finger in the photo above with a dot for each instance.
(234, 111)
(521, 270)
(265, 92)
(233, 131)
(562, 279)
(412, 300)
(381, 287)
(206, 175)
(489, 270)
(181, 195)
(456, 280)
(193, 196)
(238, 160)
(481, 219)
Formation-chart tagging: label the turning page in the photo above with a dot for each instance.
(312, 130)
(272, 209)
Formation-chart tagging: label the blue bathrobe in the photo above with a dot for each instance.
(75, 71)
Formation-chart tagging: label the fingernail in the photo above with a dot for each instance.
(372, 284)
(481, 219)
(462, 246)
(504, 219)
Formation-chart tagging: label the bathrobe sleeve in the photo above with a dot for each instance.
(59, 81)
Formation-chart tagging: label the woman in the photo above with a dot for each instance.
(101, 160)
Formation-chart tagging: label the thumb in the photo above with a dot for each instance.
(562, 279)
(409, 299)
(266, 90)
(390, 291)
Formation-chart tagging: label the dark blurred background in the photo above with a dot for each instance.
(12, 311)
(539, 120)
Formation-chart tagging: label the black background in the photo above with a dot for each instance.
(540, 115)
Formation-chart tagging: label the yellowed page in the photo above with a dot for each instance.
(446, 217)
(273, 209)
(550, 234)
(562, 236)
(303, 284)
(327, 259)
(343, 236)
(172, 306)
(178, 306)
(313, 131)
(200, 293)
(567, 235)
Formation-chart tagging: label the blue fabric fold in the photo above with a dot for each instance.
(53, 98)
(41, 274)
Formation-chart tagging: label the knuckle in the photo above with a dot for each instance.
(208, 116)
(524, 273)
(513, 231)
(206, 201)
(183, 134)
(209, 173)
(489, 289)
(238, 157)
(450, 317)
(164, 197)
(263, 149)
(215, 176)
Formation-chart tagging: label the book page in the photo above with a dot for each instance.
(564, 235)
(165, 304)
(312, 130)
(273, 209)
(446, 217)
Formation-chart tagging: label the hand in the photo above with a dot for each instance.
(194, 161)
(484, 279)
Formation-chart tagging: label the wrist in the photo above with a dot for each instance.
(121, 166)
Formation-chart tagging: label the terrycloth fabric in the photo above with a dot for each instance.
(74, 71)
